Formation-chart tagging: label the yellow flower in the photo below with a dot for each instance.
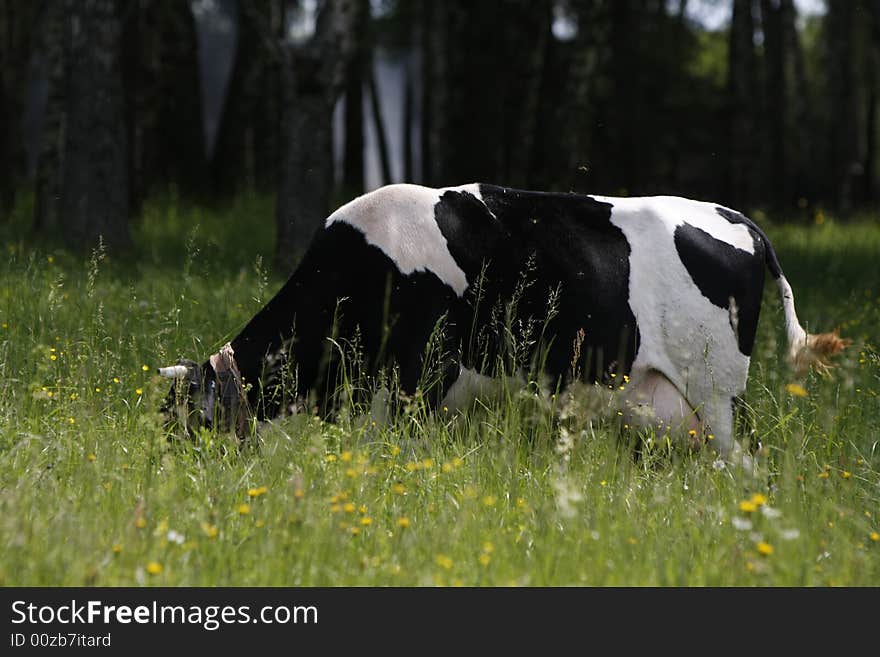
(403, 522)
(345, 457)
(140, 522)
(348, 507)
(488, 548)
(154, 568)
(330, 458)
(443, 561)
(399, 488)
(427, 464)
(116, 379)
(747, 506)
(53, 357)
(355, 531)
(138, 391)
(366, 521)
(764, 548)
(489, 500)
(846, 474)
(796, 389)
(874, 536)
(145, 368)
(299, 493)
(257, 492)
(484, 559)
(244, 509)
(759, 499)
(117, 548)
(210, 530)
(823, 475)
(92, 458)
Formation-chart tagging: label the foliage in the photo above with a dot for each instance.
(527, 490)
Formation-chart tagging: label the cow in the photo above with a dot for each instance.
(662, 292)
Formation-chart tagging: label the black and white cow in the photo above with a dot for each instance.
(665, 290)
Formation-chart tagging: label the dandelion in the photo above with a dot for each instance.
(244, 509)
(71, 420)
(138, 391)
(348, 507)
(53, 357)
(823, 475)
(117, 548)
(345, 457)
(874, 536)
(747, 506)
(210, 530)
(257, 492)
(846, 474)
(154, 568)
(92, 458)
(145, 368)
(403, 522)
(427, 464)
(140, 522)
(764, 548)
(399, 488)
(443, 561)
(351, 472)
(366, 521)
(330, 458)
(759, 499)
(116, 379)
(796, 390)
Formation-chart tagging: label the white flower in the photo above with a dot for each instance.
(770, 512)
(741, 524)
(175, 537)
(790, 534)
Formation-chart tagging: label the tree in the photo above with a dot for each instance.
(17, 30)
(313, 75)
(83, 182)
(163, 101)
(743, 97)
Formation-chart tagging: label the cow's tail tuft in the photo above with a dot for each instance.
(805, 350)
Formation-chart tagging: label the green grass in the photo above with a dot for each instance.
(93, 492)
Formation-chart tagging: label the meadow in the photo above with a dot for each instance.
(528, 491)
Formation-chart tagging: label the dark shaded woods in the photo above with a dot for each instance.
(775, 110)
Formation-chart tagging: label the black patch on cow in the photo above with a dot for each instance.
(347, 288)
(723, 272)
(738, 218)
(551, 241)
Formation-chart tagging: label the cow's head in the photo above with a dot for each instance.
(192, 401)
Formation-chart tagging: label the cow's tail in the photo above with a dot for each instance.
(805, 350)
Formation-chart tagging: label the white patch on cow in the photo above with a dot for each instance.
(173, 371)
(399, 220)
(674, 211)
(682, 334)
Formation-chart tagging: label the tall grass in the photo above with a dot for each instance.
(526, 490)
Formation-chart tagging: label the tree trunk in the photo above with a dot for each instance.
(17, 30)
(50, 161)
(313, 78)
(742, 98)
(163, 100)
(842, 93)
(776, 110)
(355, 78)
(94, 191)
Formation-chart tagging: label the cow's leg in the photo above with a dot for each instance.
(653, 402)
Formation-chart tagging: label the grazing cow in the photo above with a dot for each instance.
(663, 289)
